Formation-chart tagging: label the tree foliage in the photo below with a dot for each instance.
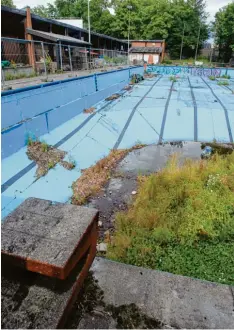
(8, 3)
(145, 19)
(224, 31)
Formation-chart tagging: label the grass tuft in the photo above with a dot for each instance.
(223, 83)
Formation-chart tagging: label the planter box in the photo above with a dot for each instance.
(24, 70)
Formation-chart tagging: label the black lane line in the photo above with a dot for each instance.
(165, 114)
(25, 170)
(225, 111)
(131, 115)
(195, 111)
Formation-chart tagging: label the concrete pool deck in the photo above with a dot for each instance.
(155, 110)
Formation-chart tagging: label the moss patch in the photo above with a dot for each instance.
(46, 157)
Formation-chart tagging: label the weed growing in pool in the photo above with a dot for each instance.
(223, 83)
(44, 147)
(173, 78)
(93, 178)
(225, 76)
(182, 221)
(46, 157)
(212, 77)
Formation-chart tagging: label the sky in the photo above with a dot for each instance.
(212, 5)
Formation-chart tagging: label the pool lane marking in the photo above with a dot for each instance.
(195, 111)
(224, 108)
(30, 166)
(132, 114)
(165, 114)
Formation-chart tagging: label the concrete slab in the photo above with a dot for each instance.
(177, 301)
(33, 301)
(153, 158)
(45, 237)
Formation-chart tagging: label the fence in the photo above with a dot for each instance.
(53, 58)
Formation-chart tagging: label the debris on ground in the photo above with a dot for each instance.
(119, 67)
(46, 157)
(134, 192)
(219, 148)
(206, 152)
(113, 97)
(93, 178)
(99, 223)
(47, 80)
(102, 247)
(89, 110)
(149, 75)
(127, 88)
(136, 78)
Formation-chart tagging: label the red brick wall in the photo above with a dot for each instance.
(138, 44)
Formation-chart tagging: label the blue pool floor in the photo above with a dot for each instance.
(156, 110)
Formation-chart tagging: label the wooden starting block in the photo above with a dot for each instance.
(47, 250)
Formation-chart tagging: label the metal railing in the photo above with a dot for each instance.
(51, 58)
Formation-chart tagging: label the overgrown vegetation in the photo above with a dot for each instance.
(95, 177)
(223, 83)
(9, 76)
(182, 221)
(46, 156)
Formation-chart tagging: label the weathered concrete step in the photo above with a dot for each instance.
(47, 238)
(177, 301)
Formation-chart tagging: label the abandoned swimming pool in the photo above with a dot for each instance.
(159, 109)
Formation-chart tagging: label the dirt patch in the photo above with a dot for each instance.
(95, 177)
(89, 110)
(149, 75)
(91, 311)
(113, 97)
(46, 157)
(127, 88)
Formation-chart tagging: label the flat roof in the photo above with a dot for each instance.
(22, 12)
(144, 40)
(56, 37)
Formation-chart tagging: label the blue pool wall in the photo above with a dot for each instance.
(37, 110)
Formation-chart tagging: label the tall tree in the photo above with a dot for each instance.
(190, 18)
(224, 31)
(8, 3)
